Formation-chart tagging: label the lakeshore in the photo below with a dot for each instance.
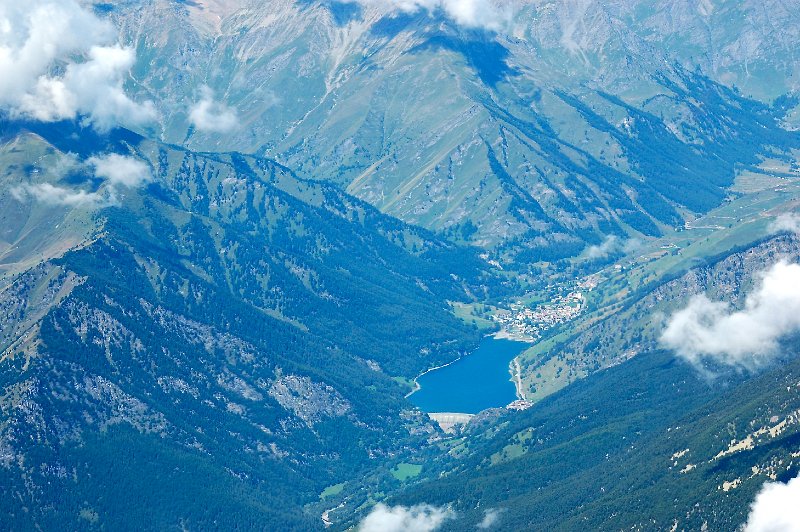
(472, 383)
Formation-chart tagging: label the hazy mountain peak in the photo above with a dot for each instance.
(209, 15)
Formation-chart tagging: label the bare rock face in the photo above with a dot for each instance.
(115, 406)
(310, 401)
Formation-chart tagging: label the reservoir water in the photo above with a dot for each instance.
(473, 383)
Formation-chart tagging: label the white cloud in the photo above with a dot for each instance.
(420, 518)
(120, 170)
(747, 338)
(484, 14)
(788, 221)
(115, 170)
(776, 508)
(490, 519)
(612, 245)
(209, 115)
(59, 61)
(476, 13)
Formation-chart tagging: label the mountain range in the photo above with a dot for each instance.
(233, 233)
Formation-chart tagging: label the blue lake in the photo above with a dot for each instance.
(475, 382)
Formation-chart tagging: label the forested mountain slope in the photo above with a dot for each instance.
(653, 442)
(645, 445)
(227, 318)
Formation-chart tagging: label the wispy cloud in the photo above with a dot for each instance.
(211, 116)
(612, 245)
(120, 170)
(748, 338)
(59, 61)
(483, 14)
(116, 171)
(786, 222)
(420, 518)
(775, 508)
(54, 195)
(491, 518)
